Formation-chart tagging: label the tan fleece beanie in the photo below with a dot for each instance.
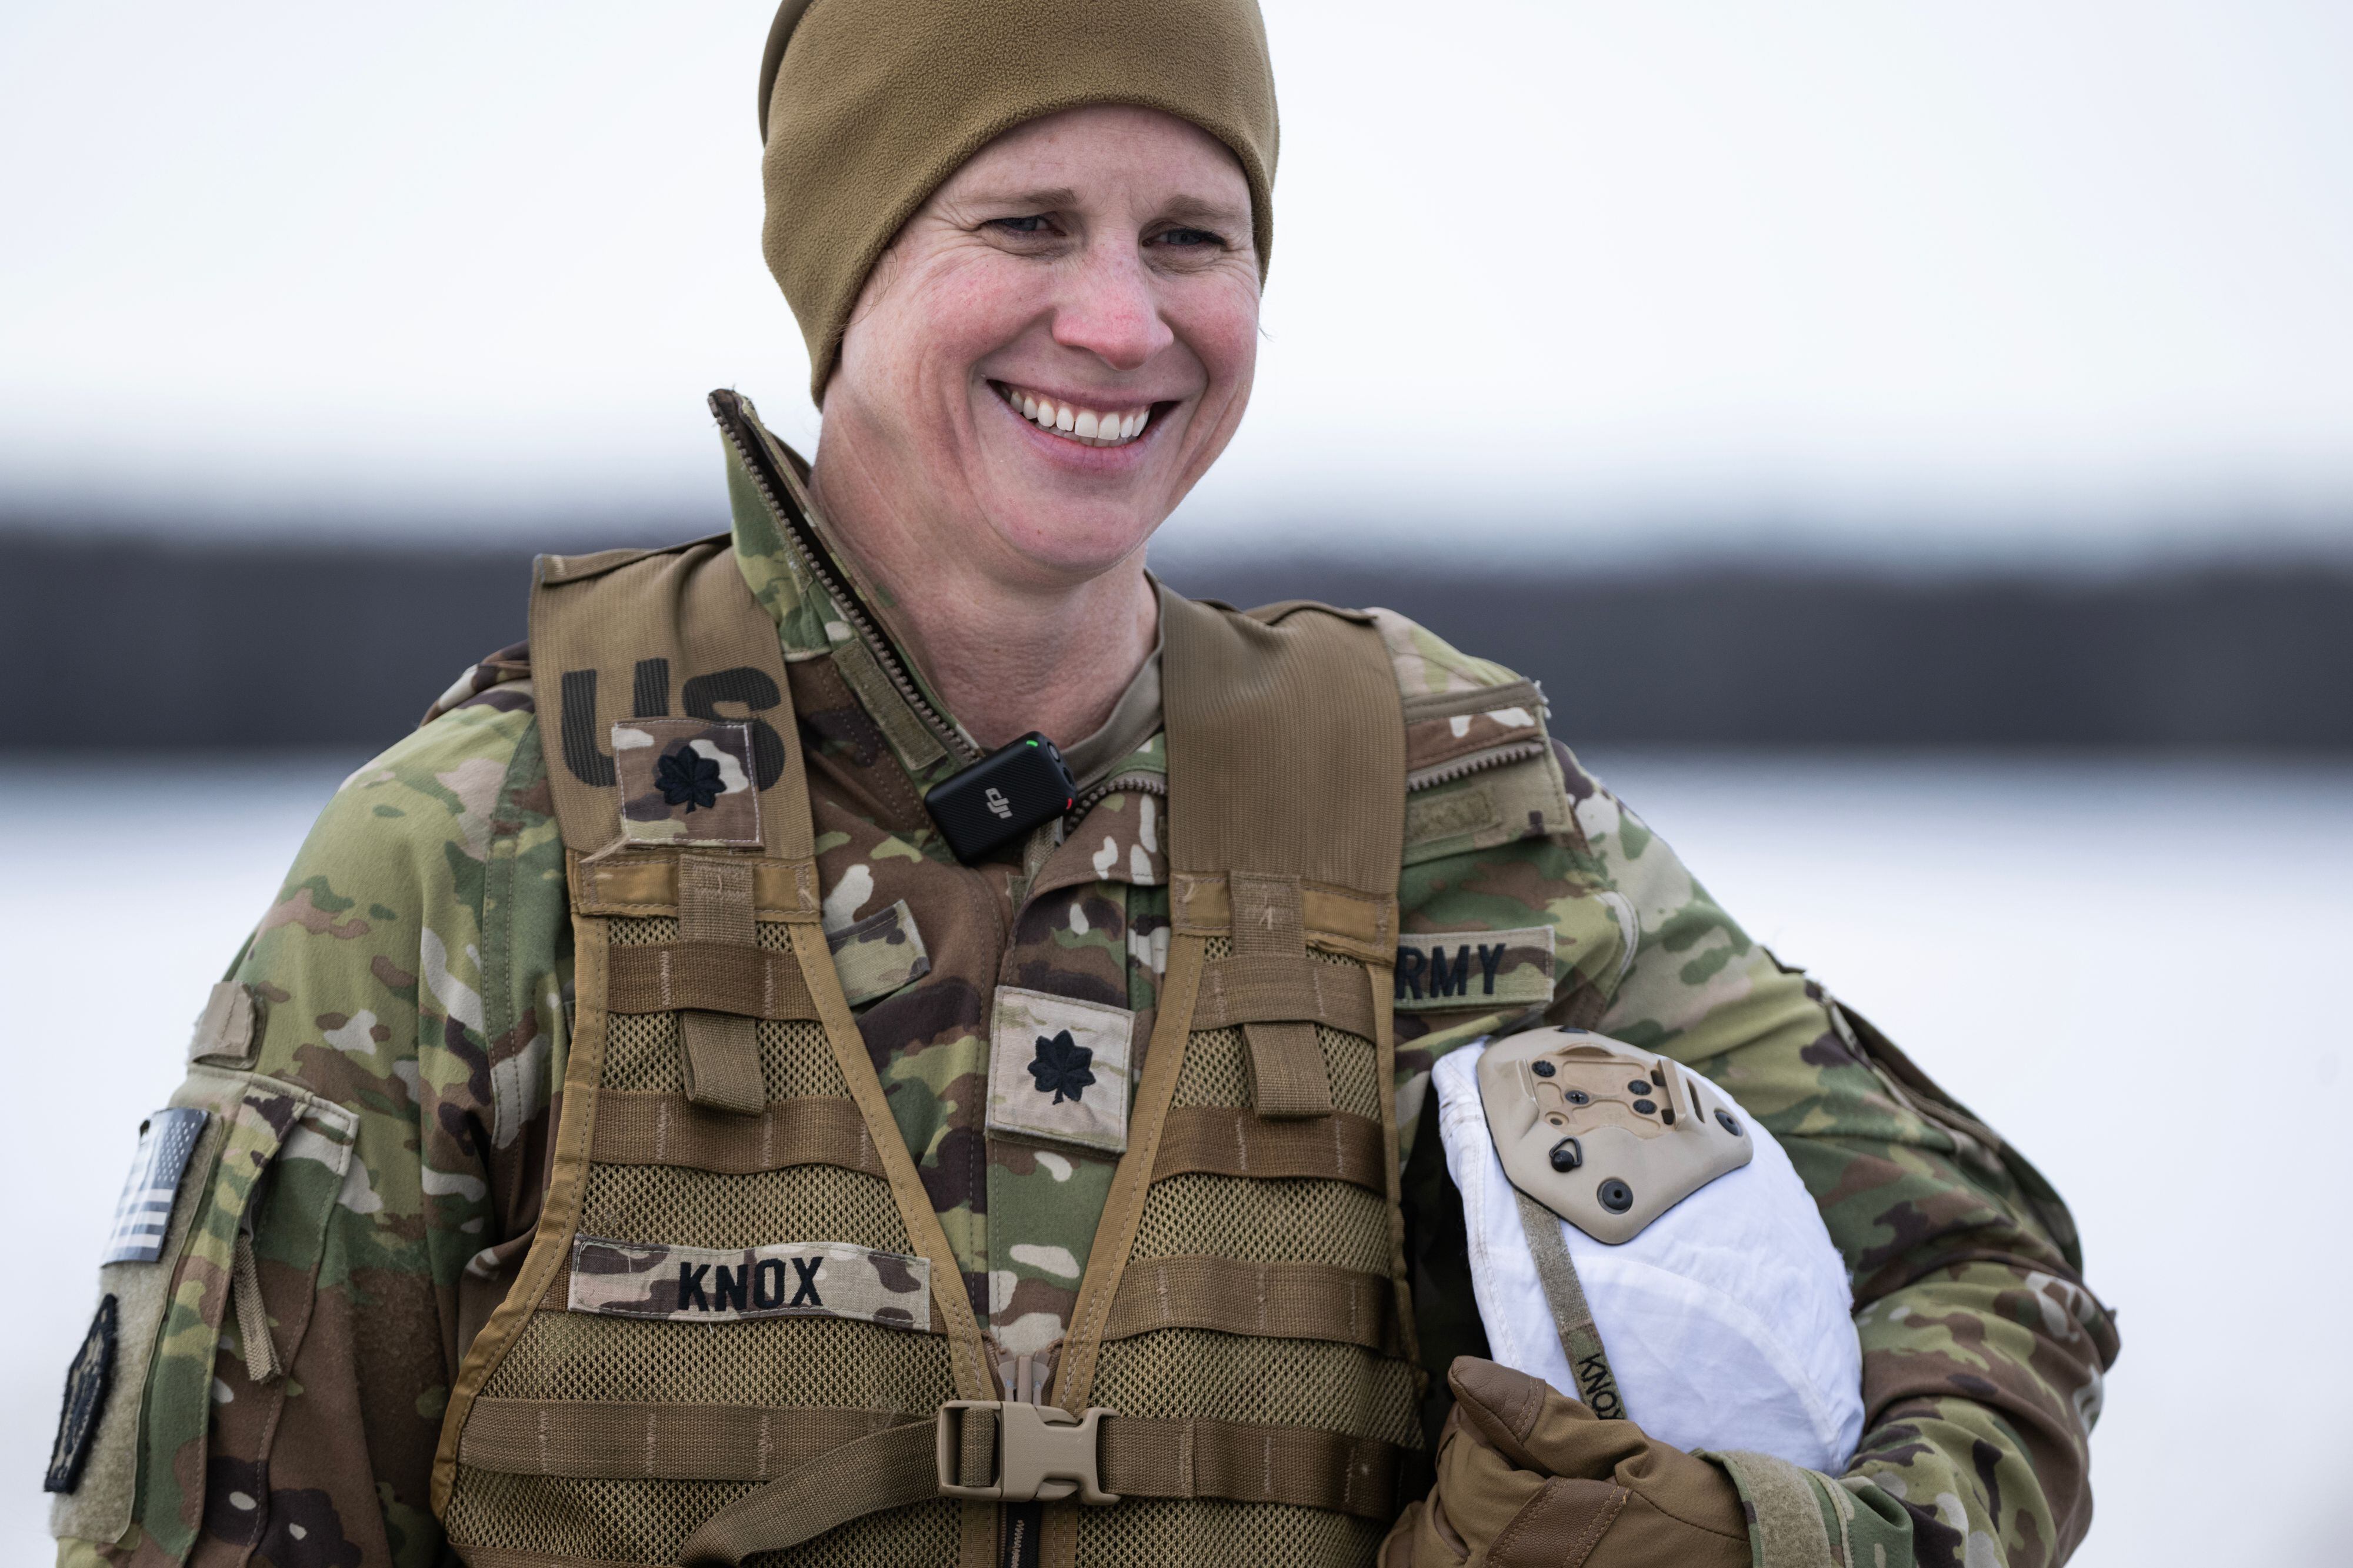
(868, 106)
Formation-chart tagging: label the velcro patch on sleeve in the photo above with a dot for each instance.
(143, 1214)
(1439, 969)
(87, 1381)
(686, 781)
(721, 1285)
(227, 1028)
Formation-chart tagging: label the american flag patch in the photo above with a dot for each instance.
(143, 1214)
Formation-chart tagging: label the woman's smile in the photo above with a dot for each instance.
(1088, 424)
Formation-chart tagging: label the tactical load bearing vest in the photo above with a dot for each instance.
(740, 1334)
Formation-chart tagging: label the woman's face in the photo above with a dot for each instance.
(1055, 347)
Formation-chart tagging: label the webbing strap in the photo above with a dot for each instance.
(1287, 753)
(261, 1363)
(825, 1466)
(1286, 745)
(1302, 1466)
(977, 1448)
(1274, 1300)
(1286, 988)
(1571, 1317)
(1285, 739)
(1289, 1077)
(722, 1046)
(709, 977)
(635, 1128)
(888, 1469)
(1226, 1140)
(589, 1439)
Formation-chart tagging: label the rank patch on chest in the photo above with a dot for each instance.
(686, 781)
(1058, 1068)
(143, 1214)
(1439, 969)
(719, 1285)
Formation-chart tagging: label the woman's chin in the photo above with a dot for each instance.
(1074, 543)
(1074, 515)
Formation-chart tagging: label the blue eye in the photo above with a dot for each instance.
(1034, 224)
(1190, 236)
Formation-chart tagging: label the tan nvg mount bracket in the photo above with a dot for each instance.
(1605, 1136)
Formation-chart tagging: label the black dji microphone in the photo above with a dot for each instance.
(1002, 796)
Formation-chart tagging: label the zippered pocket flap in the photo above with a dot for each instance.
(1496, 797)
(1450, 727)
(283, 1157)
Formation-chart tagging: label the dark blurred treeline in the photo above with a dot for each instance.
(122, 642)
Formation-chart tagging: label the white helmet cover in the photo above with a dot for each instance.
(1728, 1319)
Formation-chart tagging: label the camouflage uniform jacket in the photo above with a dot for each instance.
(412, 981)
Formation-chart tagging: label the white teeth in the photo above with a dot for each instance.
(1087, 425)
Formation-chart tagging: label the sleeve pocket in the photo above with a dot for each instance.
(261, 1187)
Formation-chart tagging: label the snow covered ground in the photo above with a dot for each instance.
(2137, 969)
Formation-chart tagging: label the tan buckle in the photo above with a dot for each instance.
(1043, 1452)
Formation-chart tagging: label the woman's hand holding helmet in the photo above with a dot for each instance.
(1527, 1476)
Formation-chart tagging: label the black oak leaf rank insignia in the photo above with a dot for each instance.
(1062, 1066)
(688, 778)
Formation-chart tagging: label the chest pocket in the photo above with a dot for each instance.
(1480, 772)
(247, 1220)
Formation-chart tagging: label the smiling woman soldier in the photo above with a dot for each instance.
(727, 1087)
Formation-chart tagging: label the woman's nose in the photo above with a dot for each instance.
(1109, 308)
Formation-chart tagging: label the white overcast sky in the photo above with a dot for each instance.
(1907, 281)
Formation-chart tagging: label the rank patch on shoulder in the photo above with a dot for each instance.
(1474, 968)
(87, 1382)
(686, 781)
(1058, 1068)
(142, 1216)
(719, 1285)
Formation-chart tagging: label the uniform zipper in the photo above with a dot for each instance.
(1476, 762)
(756, 462)
(1427, 778)
(1143, 783)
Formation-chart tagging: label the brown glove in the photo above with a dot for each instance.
(1528, 1477)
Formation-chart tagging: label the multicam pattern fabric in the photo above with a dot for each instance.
(1440, 744)
(686, 781)
(707, 1285)
(879, 953)
(416, 968)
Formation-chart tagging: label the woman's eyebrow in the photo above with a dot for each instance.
(1058, 198)
(1201, 209)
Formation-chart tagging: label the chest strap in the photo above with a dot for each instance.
(825, 1466)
